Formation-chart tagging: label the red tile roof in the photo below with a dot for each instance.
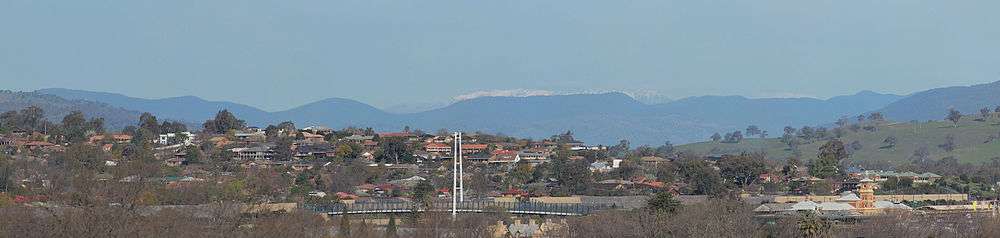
(474, 146)
(436, 145)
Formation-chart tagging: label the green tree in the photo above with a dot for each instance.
(75, 127)
(192, 154)
(172, 127)
(702, 177)
(148, 121)
(743, 169)
(827, 163)
(716, 137)
(283, 149)
(223, 122)
(345, 151)
(663, 202)
(573, 176)
(813, 226)
(422, 193)
(32, 119)
(521, 174)
(395, 151)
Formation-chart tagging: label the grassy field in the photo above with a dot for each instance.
(970, 139)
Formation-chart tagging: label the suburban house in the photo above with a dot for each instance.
(587, 147)
(532, 157)
(653, 160)
(616, 163)
(253, 153)
(37, 145)
(358, 138)
(321, 130)
(439, 139)
(473, 148)
(505, 156)
(250, 135)
(406, 136)
(313, 138)
(176, 161)
(437, 148)
(370, 145)
(881, 176)
(166, 138)
(317, 150)
(600, 167)
(117, 138)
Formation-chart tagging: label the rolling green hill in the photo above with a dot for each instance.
(970, 139)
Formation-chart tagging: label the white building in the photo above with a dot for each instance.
(253, 153)
(166, 138)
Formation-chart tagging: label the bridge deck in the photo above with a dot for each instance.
(530, 208)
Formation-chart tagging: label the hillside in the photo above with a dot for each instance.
(337, 113)
(773, 114)
(189, 109)
(933, 104)
(970, 140)
(56, 108)
(595, 118)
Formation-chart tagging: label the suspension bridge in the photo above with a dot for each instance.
(519, 208)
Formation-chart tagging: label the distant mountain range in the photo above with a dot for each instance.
(185, 109)
(601, 118)
(595, 118)
(773, 114)
(55, 108)
(934, 104)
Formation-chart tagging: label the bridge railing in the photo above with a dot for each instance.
(469, 206)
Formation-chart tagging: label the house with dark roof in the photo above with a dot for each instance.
(317, 150)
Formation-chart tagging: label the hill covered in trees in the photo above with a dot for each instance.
(55, 108)
(971, 139)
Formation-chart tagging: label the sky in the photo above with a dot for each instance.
(281, 54)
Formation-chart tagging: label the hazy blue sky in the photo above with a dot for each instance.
(279, 54)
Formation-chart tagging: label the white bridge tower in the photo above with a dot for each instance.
(457, 183)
